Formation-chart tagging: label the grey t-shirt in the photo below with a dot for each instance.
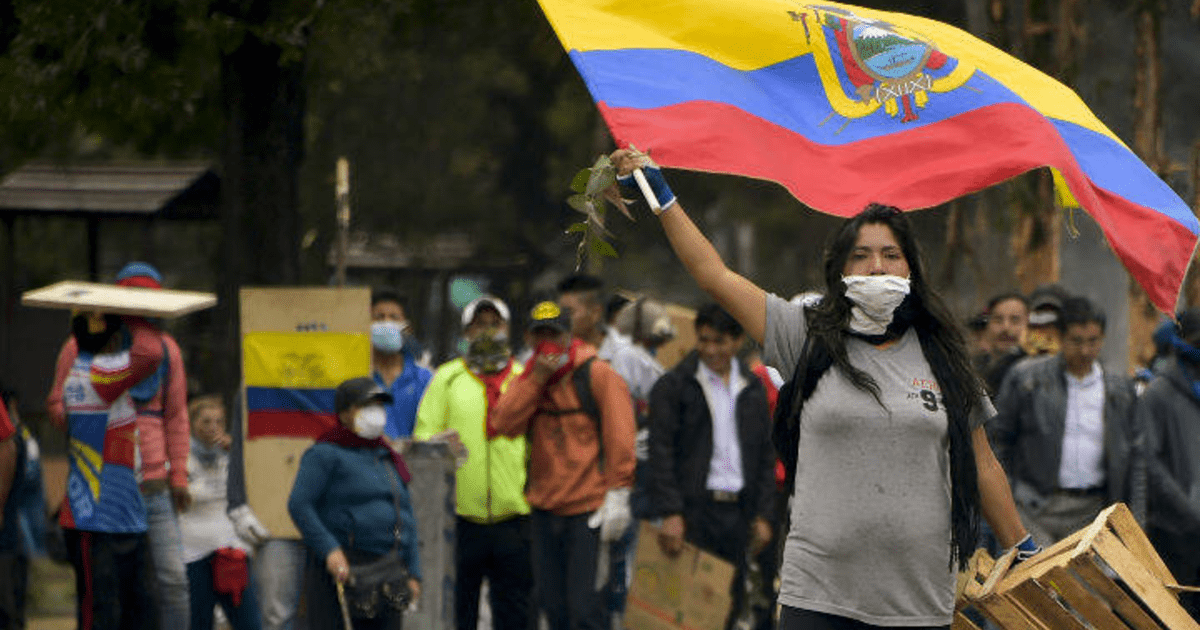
(870, 536)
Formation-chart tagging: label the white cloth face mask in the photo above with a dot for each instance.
(369, 422)
(875, 299)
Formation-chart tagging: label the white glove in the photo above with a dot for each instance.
(247, 525)
(613, 517)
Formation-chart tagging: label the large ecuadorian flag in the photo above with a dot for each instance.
(845, 106)
(291, 377)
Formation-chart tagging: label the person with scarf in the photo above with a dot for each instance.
(894, 466)
(492, 529)
(352, 506)
(215, 556)
(1169, 412)
(581, 463)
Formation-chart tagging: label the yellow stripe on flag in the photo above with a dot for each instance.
(304, 359)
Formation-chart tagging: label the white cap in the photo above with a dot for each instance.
(485, 300)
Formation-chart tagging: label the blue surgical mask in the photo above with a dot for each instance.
(387, 336)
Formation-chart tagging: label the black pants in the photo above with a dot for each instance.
(321, 609)
(799, 619)
(14, 583)
(565, 551)
(1183, 559)
(501, 553)
(722, 529)
(112, 583)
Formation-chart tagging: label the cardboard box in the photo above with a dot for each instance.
(688, 592)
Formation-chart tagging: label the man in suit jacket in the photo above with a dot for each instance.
(712, 467)
(1066, 432)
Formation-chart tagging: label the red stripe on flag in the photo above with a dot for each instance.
(262, 424)
(917, 168)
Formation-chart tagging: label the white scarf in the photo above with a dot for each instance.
(875, 299)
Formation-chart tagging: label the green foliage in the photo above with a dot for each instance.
(594, 186)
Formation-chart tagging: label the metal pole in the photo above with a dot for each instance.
(343, 218)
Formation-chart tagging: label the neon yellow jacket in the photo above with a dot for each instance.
(491, 484)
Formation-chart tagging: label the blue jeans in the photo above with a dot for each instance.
(166, 555)
(204, 597)
(279, 569)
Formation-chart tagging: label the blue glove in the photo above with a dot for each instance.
(658, 185)
(1027, 549)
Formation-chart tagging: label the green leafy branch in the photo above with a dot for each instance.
(594, 186)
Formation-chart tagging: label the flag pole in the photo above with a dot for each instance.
(342, 201)
(644, 185)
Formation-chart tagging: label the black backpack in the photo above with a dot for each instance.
(810, 367)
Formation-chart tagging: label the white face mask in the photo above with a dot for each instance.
(875, 299)
(369, 422)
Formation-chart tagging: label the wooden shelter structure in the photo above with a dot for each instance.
(145, 193)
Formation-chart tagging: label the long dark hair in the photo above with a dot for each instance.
(942, 344)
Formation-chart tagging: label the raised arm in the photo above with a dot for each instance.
(742, 298)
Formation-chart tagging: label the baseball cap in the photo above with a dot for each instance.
(473, 307)
(139, 274)
(549, 315)
(357, 392)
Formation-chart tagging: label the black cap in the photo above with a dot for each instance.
(357, 392)
(549, 315)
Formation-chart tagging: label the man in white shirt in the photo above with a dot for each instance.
(711, 459)
(1066, 433)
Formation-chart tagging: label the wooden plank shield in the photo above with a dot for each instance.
(109, 298)
(297, 345)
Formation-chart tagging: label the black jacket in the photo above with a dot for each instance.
(681, 443)
(1027, 432)
(1170, 414)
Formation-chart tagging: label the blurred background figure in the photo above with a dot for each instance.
(352, 506)
(1006, 321)
(14, 557)
(395, 361)
(1043, 335)
(646, 323)
(712, 464)
(1066, 434)
(217, 558)
(492, 530)
(1169, 411)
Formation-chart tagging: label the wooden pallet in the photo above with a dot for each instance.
(1106, 576)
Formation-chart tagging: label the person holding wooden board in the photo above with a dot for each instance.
(104, 513)
(881, 423)
(156, 382)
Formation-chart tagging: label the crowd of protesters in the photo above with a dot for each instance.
(566, 447)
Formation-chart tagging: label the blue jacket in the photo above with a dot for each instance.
(343, 498)
(407, 390)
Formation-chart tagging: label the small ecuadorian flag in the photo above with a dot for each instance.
(845, 106)
(291, 377)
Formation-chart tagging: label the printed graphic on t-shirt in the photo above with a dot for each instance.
(102, 487)
(927, 391)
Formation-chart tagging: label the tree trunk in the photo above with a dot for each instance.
(264, 99)
(1037, 235)
(1147, 142)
